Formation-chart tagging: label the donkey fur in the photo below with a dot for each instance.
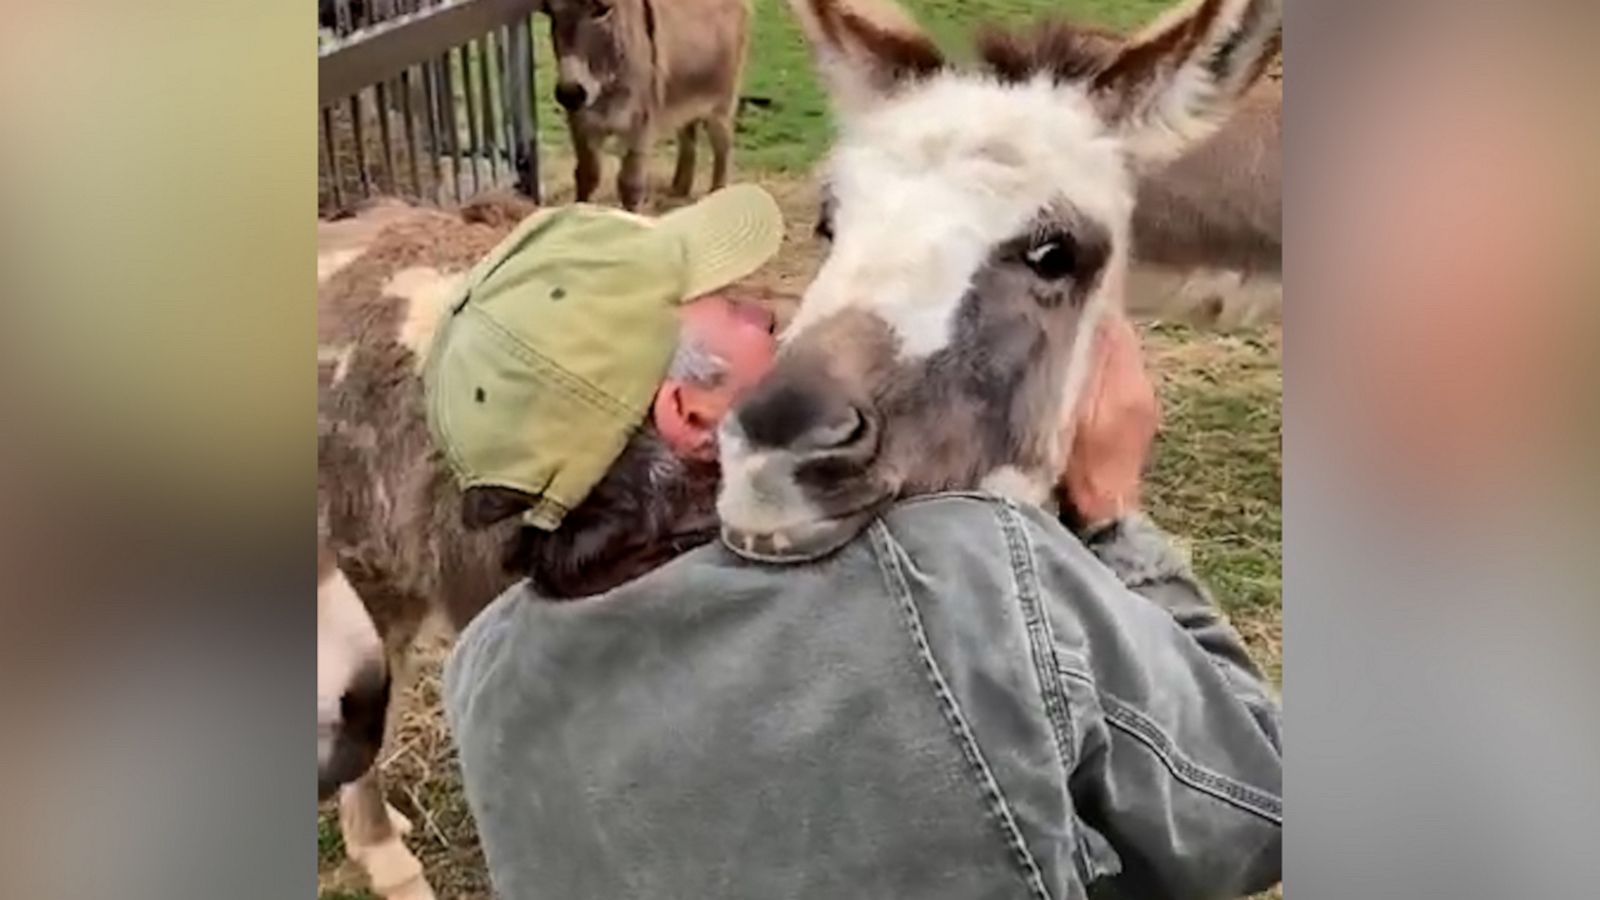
(986, 219)
(388, 514)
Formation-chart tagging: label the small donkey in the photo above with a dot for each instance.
(636, 69)
(981, 226)
(391, 547)
(1208, 229)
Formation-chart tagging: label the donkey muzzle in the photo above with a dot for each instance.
(797, 505)
(571, 95)
(799, 476)
(800, 543)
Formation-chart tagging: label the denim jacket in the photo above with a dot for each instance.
(966, 702)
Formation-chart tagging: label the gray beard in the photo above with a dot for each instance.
(651, 507)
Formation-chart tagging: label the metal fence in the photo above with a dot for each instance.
(431, 100)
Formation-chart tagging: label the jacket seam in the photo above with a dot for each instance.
(970, 752)
(1041, 638)
(942, 496)
(1186, 771)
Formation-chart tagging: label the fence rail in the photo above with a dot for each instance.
(424, 99)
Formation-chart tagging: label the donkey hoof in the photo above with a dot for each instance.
(416, 889)
(392, 870)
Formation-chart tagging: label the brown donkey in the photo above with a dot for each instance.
(637, 69)
(1208, 229)
(392, 551)
(981, 225)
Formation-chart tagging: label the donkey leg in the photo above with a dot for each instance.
(374, 831)
(683, 178)
(586, 175)
(720, 130)
(631, 181)
(373, 836)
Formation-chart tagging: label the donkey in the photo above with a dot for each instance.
(352, 681)
(1220, 204)
(636, 69)
(392, 551)
(981, 227)
(1208, 228)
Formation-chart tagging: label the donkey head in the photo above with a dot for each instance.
(979, 225)
(601, 47)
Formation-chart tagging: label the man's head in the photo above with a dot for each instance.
(659, 498)
(580, 379)
(725, 346)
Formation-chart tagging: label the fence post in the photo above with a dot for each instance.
(525, 129)
(383, 46)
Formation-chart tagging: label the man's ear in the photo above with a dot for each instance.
(864, 49)
(1177, 82)
(687, 418)
(485, 506)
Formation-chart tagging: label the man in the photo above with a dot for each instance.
(967, 701)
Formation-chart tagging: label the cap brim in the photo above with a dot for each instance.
(728, 235)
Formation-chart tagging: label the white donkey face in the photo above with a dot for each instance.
(980, 222)
(927, 187)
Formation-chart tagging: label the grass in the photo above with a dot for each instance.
(1214, 478)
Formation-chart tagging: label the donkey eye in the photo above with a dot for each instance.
(1052, 259)
(825, 229)
(601, 11)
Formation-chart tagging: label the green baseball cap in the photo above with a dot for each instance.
(548, 359)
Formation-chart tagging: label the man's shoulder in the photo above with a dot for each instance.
(960, 524)
(957, 506)
(522, 623)
(963, 544)
(963, 537)
(970, 526)
(476, 648)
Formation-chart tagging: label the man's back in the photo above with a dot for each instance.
(919, 715)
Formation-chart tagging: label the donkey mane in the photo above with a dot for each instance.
(1061, 48)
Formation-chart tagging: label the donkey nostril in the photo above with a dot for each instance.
(570, 95)
(845, 432)
(804, 416)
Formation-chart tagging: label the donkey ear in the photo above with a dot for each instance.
(865, 48)
(1177, 82)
